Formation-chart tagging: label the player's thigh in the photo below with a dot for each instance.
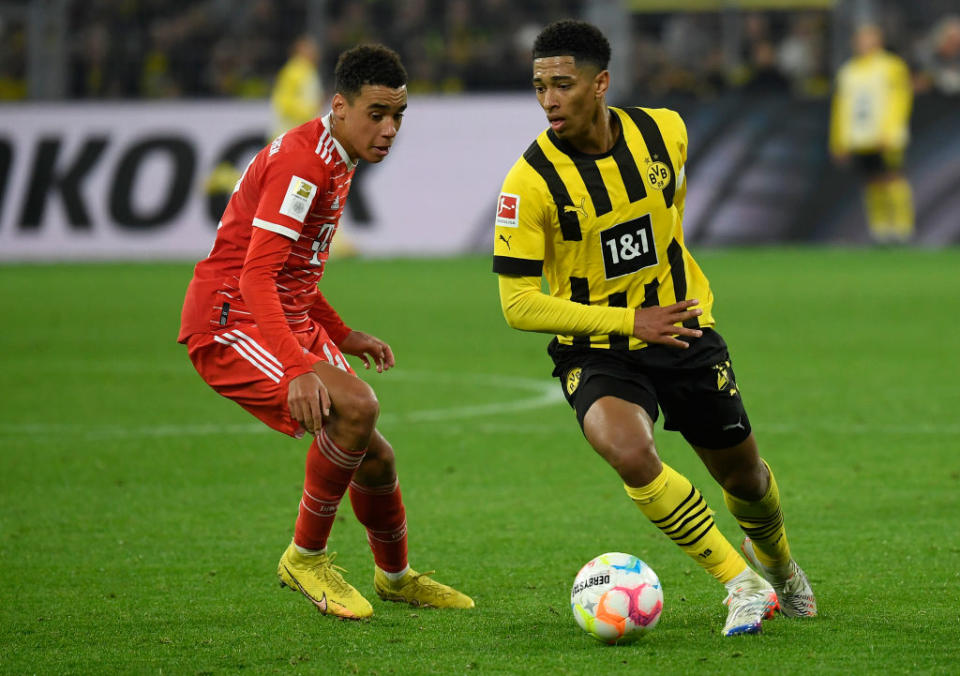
(238, 366)
(585, 381)
(704, 405)
(616, 415)
(352, 400)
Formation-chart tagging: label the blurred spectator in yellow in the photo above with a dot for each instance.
(940, 58)
(297, 95)
(869, 126)
(297, 98)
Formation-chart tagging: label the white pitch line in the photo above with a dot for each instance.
(544, 393)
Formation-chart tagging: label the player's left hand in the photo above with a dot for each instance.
(368, 347)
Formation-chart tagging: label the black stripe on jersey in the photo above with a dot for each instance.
(658, 149)
(650, 297)
(569, 222)
(618, 299)
(632, 180)
(580, 293)
(679, 276)
(590, 174)
(506, 265)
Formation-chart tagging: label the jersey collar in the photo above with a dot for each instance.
(343, 153)
(568, 149)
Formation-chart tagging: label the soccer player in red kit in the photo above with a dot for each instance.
(259, 332)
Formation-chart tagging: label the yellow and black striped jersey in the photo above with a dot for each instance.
(605, 230)
(871, 106)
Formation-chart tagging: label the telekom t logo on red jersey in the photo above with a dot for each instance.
(508, 208)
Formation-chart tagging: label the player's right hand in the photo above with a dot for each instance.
(309, 401)
(659, 324)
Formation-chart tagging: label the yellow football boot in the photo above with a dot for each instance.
(321, 582)
(419, 590)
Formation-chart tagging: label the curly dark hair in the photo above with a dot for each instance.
(368, 65)
(579, 39)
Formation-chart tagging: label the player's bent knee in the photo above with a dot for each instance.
(635, 460)
(636, 467)
(361, 411)
(356, 406)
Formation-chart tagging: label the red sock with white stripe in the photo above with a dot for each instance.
(380, 509)
(328, 473)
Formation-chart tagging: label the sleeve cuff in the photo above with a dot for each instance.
(626, 325)
(340, 334)
(297, 370)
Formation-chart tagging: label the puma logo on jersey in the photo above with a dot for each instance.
(506, 240)
(736, 425)
(580, 208)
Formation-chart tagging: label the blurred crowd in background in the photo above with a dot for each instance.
(133, 49)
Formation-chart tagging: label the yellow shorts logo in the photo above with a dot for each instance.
(725, 379)
(658, 175)
(573, 380)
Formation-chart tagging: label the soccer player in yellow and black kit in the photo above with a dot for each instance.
(869, 124)
(596, 204)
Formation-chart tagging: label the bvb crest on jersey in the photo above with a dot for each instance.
(658, 174)
(573, 380)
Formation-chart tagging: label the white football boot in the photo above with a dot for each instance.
(750, 600)
(793, 589)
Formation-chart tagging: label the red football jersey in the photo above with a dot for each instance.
(272, 245)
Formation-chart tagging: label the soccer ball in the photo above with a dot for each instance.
(616, 598)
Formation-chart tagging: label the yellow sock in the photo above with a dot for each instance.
(675, 507)
(877, 203)
(900, 197)
(762, 521)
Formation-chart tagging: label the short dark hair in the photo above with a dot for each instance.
(368, 65)
(579, 39)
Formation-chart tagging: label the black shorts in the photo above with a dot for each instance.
(878, 164)
(696, 388)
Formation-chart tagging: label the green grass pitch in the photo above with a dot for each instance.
(142, 516)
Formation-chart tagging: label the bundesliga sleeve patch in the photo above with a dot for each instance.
(299, 197)
(508, 210)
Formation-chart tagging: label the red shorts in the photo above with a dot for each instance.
(237, 363)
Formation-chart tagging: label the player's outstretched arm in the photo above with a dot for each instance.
(368, 347)
(659, 324)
